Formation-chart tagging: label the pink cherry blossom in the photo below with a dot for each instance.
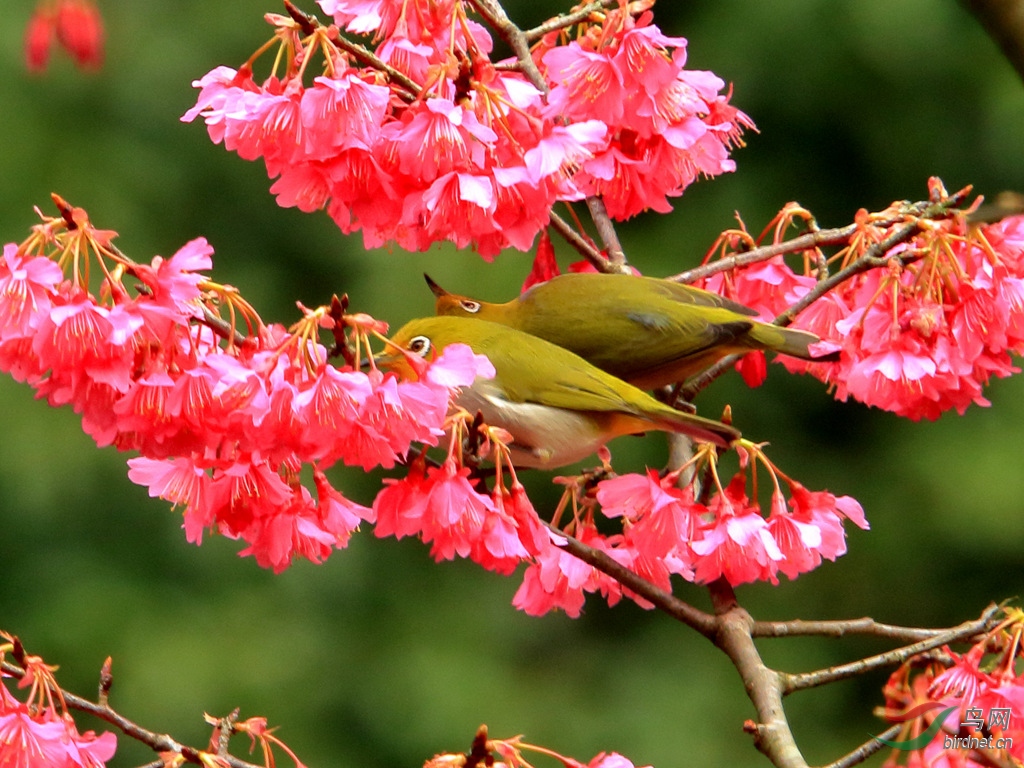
(556, 579)
(42, 738)
(738, 545)
(26, 287)
(468, 152)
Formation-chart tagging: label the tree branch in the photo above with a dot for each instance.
(843, 627)
(1003, 20)
(566, 20)
(495, 15)
(733, 631)
(872, 258)
(837, 236)
(867, 749)
(764, 686)
(925, 209)
(702, 622)
(585, 248)
(609, 237)
(800, 681)
(517, 40)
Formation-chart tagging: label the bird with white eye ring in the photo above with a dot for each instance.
(558, 408)
(647, 331)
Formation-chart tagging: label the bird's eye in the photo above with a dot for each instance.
(470, 306)
(420, 345)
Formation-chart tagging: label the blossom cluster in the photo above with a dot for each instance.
(76, 25)
(43, 737)
(40, 733)
(919, 336)
(729, 536)
(425, 139)
(223, 429)
(664, 530)
(956, 708)
(225, 426)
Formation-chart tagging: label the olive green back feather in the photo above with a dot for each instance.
(533, 370)
(647, 331)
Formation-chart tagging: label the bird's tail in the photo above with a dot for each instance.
(697, 427)
(790, 341)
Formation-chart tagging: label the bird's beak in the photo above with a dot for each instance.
(400, 361)
(390, 357)
(436, 289)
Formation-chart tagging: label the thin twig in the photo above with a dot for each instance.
(310, 22)
(823, 237)
(925, 209)
(371, 59)
(873, 258)
(994, 758)
(867, 749)
(1004, 22)
(969, 629)
(495, 15)
(211, 319)
(842, 628)
(566, 20)
(606, 231)
(702, 622)
(585, 248)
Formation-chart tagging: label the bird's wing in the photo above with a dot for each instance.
(687, 294)
(581, 391)
(689, 334)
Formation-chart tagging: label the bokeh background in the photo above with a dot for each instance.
(380, 657)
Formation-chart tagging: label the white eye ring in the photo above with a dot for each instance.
(420, 345)
(470, 306)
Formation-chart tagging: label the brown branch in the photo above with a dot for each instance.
(1003, 20)
(873, 258)
(158, 742)
(842, 628)
(212, 320)
(702, 622)
(733, 631)
(961, 632)
(309, 22)
(993, 758)
(606, 231)
(517, 40)
(585, 248)
(566, 20)
(495, 15)
(825, 237)
(772, 734)
(369, 58)
(867, 749)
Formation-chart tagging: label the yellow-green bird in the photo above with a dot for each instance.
(558, 408)
(647, 331)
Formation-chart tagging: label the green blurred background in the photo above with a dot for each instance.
(380, 657)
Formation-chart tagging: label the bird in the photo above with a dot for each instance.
(557, 407)
(647, 331)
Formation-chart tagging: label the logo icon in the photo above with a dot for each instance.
(998, 720)
(922, 740)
